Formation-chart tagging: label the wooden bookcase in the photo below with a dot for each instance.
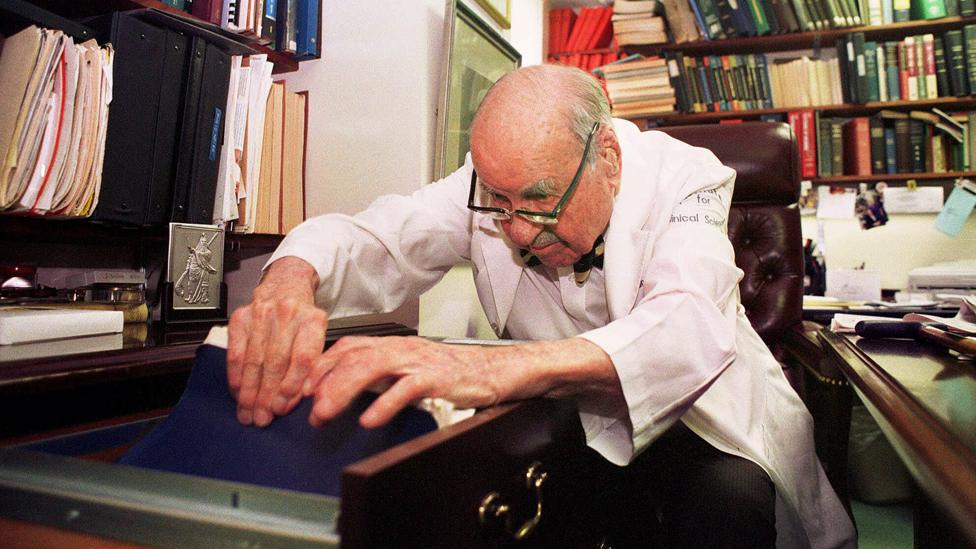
(815, 41)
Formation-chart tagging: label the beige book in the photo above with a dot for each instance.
(269, 181)
(293, 162)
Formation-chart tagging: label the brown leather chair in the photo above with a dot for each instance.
(764, 227)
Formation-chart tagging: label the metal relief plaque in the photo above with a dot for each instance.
(196, 265)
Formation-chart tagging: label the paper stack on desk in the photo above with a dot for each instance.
(25, 324)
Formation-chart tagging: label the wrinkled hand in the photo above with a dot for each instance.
(273, 342)
(414, 367)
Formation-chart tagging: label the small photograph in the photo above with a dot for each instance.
(869, 206)
(196, 265)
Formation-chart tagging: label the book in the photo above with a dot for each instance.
(681, 21)
(293, 161)
(928, 9)
(24, 324)
(969, 40)
(956, 63)
(857, 146)
(878, 160)
(802, 123)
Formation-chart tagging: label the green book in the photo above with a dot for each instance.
(709, 14)
(758, 17)
(967, 7)
(871, 71)
(928, 9)
(802, 17)
(941, 70)
(969, 35)
(956, 63)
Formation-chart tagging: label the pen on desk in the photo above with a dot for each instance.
(936, 333)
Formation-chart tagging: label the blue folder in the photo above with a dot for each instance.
(203, 437)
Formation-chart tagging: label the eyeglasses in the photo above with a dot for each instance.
(542, 218)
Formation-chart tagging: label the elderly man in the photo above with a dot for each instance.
(607, 248)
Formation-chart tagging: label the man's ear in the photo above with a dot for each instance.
(610, 148)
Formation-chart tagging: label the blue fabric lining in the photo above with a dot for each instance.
(203, 437)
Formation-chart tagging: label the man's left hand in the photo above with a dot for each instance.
(411, 367)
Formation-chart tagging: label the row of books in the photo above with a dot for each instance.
(162, 125)
(720, 83)
(926, 66)
(889, 142)
(639, 87)
(857, 71)
(290, 26)
(53, 122)
(720, 19)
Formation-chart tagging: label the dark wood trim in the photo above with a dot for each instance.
(846, 109)
(890, 177)
(941, 464)
(805, 40)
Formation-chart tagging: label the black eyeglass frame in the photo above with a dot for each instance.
(543, 218)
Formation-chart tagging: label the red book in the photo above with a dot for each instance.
(572, 43)
(208, 10)
(602, 30)
(554, 23)
(902, 71)
(802, 124)
(857, 146)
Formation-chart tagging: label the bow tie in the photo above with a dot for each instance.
(582, 268)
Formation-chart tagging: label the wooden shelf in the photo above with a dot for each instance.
(83, 231)
(846, 109)
(804, 40)
(585, 52)
(896, 177)
(283, 62)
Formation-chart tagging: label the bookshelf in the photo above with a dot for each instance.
(805, 40)
(283, 62)
(715, 89)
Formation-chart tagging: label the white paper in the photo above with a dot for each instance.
(853, 284)
(844, 323)
(920, 200)
(835, 203)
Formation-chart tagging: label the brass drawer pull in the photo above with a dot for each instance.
(492, 510)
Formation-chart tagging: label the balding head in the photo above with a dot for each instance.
(530, 106)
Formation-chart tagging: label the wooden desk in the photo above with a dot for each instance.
(426, 492)
(924, 400)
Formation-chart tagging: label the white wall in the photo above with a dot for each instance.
(907, 241)
(372, 101)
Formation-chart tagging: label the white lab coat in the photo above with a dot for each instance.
(678, 336)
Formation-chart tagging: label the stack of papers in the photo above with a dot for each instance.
(53, 117)
(964, 323)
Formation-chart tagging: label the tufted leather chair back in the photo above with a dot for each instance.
(764, 224)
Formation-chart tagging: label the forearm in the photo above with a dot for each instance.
(573, 368)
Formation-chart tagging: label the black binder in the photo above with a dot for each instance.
(209, 137)
(188, 130)
(127, 172)
(167, 127)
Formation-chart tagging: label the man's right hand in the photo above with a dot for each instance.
(273, 342)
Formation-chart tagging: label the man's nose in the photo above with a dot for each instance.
(522, 231)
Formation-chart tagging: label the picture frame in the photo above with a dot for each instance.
(475, 56)
(194, 289)
(499, 10)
